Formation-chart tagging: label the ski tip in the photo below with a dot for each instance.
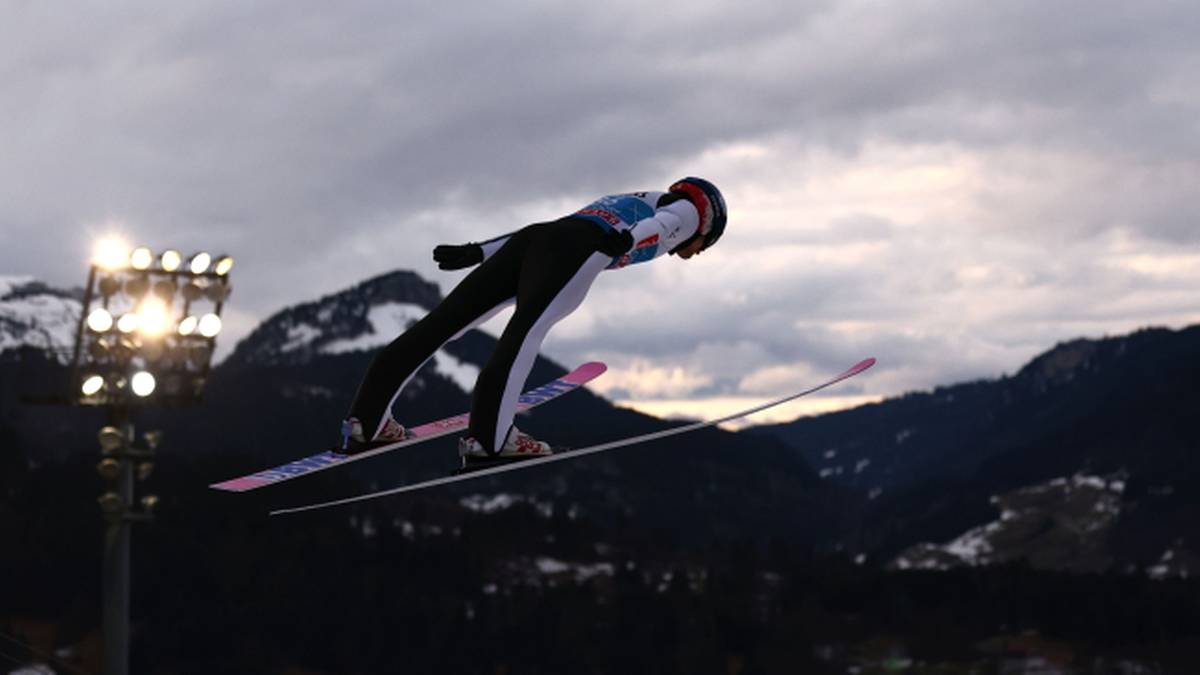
(585, 372)
(859, 367)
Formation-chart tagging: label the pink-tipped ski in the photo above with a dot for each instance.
(324, 460)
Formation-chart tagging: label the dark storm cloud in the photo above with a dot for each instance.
(323, 144)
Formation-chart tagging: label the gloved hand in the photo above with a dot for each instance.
(616, 243)
(457, 256)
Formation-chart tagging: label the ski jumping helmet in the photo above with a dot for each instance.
(708, 201)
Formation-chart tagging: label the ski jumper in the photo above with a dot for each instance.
(546, 269)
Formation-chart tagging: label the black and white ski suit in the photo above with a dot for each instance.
(546, 269)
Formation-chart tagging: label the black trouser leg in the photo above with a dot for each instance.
(490, 284)
(556, 270)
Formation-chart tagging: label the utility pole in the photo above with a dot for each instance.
(118, 457)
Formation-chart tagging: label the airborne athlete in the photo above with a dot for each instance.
(546, 269)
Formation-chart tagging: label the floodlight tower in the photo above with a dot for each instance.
(145, 339)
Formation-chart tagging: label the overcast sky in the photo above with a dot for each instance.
(951, 187)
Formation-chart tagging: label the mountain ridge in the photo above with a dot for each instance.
(932, 463)
(911, 471)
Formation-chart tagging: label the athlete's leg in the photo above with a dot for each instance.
(559, 267)
(487, 289)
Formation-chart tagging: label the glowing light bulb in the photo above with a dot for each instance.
(153, 316)
(200, 263)
(92, 384)
(111, 253)
(171, 260)
(188, 325)
(100, 320)
(210, 325)
(141, 258)
(142, 383)
(127, 323)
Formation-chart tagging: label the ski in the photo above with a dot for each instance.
(538, 461)
(328, 459)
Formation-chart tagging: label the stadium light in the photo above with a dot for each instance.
(152, 317)
(210, 325)
(128, 323)
(166, 317)
(188, 325)
(142, 383)
(111, 253)
(223, 265)
(141, 258)
(151, 313)
(100, 320)
(171, 260)
(200, 263)
(92, 384)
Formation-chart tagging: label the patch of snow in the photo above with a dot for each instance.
(1172, 564)
(861, 465)
(973, 547)
(1089, 481)
(579, 572)
(300, 336)
(830, 454)
(461, 373)
(551, 566)
(1162, 570)
(666, 582)
(492, 504)
(44, 321)
(387, 321)
(8, 283)
(903, 435)
(1083, 504)
(34, 669)
(585, 572)
(502, 501)
(874, 493)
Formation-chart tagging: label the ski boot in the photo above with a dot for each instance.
(353, 441)
(517, 447)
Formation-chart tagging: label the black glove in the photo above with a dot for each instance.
(457, 256)
(615, 243)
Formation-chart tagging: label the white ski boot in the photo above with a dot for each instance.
(353, 441)
(519, 445)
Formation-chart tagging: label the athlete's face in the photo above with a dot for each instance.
(691, 249)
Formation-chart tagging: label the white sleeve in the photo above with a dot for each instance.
(669, 227)
(492, 245)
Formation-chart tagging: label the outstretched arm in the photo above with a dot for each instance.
(458, 256)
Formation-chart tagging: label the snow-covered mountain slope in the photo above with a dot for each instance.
(362, 318)
(1061, 524)
(35, 315)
